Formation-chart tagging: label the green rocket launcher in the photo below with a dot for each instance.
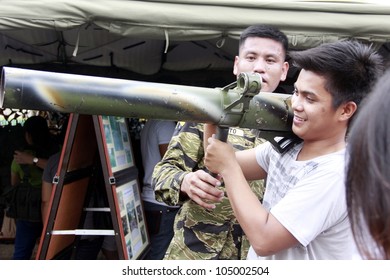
(240, 104)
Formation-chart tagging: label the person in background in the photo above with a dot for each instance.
(30, 162)
(11, 137)
(155, 137)
(368, 174)
(206, 227)
(304, 211)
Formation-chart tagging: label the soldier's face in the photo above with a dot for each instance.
(264, 56)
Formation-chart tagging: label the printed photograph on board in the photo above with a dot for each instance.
(133, 220)
(118, 142)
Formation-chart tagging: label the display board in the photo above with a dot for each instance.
(91, 140)
(133, 218)
(120, 161)
(118, 143)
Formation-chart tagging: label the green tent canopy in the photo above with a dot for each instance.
(189, 42)
(146, 37)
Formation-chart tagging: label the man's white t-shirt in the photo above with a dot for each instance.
(153, 134)
(309, 199)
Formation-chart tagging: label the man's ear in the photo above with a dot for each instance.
(235, 69)
(285, 68)
(347, 110)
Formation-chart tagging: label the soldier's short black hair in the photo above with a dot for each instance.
(265, 31)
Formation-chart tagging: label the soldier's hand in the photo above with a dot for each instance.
(201, 188)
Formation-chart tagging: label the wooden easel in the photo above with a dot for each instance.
(85, 144)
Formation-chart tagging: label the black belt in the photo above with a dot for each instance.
(170, 209)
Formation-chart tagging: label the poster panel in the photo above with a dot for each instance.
(118, 143)
(132, 218)
(121, 166)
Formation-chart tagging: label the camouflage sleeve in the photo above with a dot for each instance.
(184, 155)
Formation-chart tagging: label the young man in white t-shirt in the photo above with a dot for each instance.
(304, 211)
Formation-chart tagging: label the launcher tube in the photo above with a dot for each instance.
(70, 93)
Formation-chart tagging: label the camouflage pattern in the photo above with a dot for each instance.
(200, 233)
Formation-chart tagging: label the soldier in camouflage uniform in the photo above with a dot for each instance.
(205, 226)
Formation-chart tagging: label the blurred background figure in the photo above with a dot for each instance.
(155, 137)
(368, 175)
(28, 164)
